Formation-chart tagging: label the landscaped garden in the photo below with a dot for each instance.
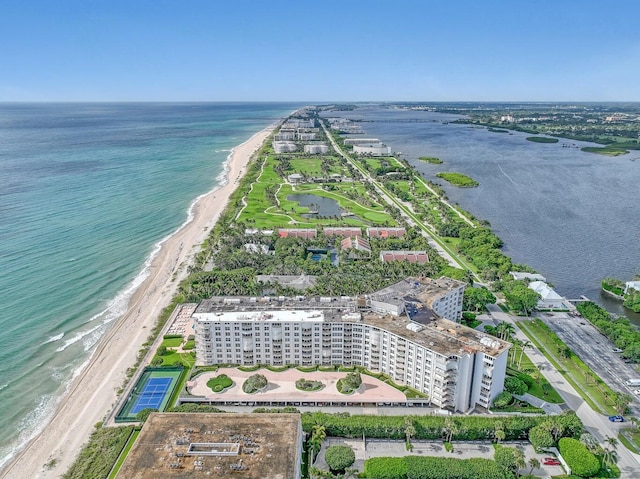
(308, 385)
(219, 383)
(255, 383)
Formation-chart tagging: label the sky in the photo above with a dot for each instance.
(348, 50)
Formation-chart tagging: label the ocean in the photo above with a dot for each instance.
(87, 192)
(571, 215)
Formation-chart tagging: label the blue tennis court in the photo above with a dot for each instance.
(153, 390)
(152, 395)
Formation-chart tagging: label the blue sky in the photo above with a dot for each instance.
(349, 50)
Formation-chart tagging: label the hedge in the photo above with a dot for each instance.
(580, 460)
(471, 428)
(419, 467)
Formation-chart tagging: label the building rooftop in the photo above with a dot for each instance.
(440, 335)
(424, 290)
(244, 446)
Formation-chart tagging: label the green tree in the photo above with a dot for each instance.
(520, 297)
(498, 431)
(622, 401)
(409, 429)
(534, 463)
(476, 298)
(318, 435)
(339, 458)
(143, 415)
(510, 459)
(449, 429)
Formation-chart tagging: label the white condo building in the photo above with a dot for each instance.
(456, 366)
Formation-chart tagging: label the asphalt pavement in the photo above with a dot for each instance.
(596, 423)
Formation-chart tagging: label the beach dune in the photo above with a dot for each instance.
(94, 392)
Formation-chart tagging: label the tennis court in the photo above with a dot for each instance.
(152, 391)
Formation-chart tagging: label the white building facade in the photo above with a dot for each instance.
(457, 367)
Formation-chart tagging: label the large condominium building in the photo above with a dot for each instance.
(457, 367)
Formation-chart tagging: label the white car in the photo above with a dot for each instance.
(637, 391)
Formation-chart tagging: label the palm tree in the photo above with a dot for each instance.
(609, 456)
(613, 442)
(523, 345)
(449, 429)
(409, 429)
(318, 434)
(534, 463)
(498, 431)
(589, 441)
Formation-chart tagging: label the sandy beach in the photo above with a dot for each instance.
(93, 392)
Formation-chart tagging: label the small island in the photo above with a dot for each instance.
(542, 139)
(431, 159)
(458, 179)
(498, 130)
(605, 150)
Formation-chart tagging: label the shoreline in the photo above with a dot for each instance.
(92, 393)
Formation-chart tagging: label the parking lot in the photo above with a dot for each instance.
(461, 450)
(595, 350)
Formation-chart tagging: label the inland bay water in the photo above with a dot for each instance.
(571, 215)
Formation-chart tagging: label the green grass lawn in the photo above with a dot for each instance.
(173, 357)
(171, 342)
(573, 369)
(528, 367)
(124, 453)
(219, 383)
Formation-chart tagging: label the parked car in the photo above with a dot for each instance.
(617, 350)
(551, 462)
(616, 419)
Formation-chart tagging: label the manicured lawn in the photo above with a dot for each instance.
(527, 366)
(173, 357)
(219, 383)
(171, 342)
(573, 369)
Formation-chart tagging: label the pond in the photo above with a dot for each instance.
(318, 205)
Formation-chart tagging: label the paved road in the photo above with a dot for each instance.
(596, 423)
(595, 350)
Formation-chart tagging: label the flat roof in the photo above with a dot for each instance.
(440, 335)
(267, 447)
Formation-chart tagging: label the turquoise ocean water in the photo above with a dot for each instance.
(86, 193)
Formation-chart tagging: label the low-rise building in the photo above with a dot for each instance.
(305, 233)
(357, 243)
(385, 232)
(286, 136)
(295, 178)
(360, 141)
(518, 275)
(410, 256)
(629, 285)
(341, 231)
(216, 445)
(549, 299)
